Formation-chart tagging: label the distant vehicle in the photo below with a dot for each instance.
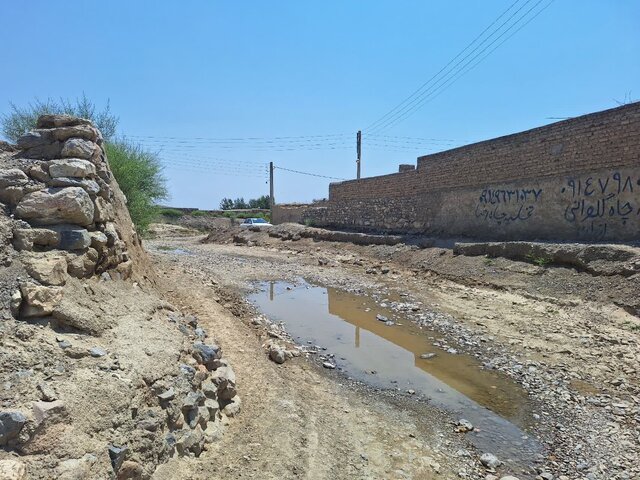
(255, 222)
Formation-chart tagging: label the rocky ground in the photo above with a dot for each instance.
(569, 337)
(100, 377)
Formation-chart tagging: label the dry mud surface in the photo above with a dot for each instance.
(569, 339)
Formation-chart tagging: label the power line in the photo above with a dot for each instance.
(421, 96)
(419, 89)
(308, 173)
(464, 71)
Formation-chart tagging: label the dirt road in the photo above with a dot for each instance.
(575, 354)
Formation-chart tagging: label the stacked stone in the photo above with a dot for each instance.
(63, 205)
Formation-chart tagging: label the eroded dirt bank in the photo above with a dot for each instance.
(566, 337)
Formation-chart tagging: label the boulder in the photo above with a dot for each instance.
(15, 302)
(98, 240)
(90, 186)
(277, 354)
(489, 460)
(36, 138)
(190, 441)
(206, 354)
(60, 120)
(130, 470)
(38, 300)
(48, 268)
(225, 379)
(71, 167)
(76, 468)
(117, 456)
(103, 211)
(57, 205)
(86, 132)
(84, 265)
(232, 408)
(43, 152)
(50, 412)
(13, 177)
(11, 424)
(13, 470)
(26, 238)
(70, 314)
(39, 173)
(11, 195)
(72, 237)
(78, 148)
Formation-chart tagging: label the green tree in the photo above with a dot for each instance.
(260, 202)
(226, 204)
(139, 174)
(239, 204)
(20, 120)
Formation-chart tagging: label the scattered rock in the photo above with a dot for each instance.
(328, 365)
(13, 470)
(489, 460)
(38, 300)
(464, 426)
(428, 356)
(97, 352)
(277, 354)
(130, 470)
(206, 354)
(167, 395)
(232, 408)
(47, 392)
(11, 424)
(117, 456)
(49, 411)
(381, 318)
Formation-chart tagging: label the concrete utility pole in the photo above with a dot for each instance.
(271, 200)
(359, 150)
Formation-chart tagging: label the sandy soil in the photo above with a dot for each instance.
(565, 336)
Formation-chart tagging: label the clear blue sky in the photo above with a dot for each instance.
(225, 69)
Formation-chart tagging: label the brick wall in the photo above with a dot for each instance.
(601, 149)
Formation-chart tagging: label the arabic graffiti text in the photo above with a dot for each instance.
(505, 206)
(598, 203)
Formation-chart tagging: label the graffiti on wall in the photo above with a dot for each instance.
(598, 203)
(506, 206)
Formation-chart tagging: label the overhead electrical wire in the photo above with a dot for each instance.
(420, 96)
(307, 173)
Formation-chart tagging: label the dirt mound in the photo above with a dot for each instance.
(102, 377)
(595, 259)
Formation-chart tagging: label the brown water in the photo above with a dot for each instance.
(346, 325)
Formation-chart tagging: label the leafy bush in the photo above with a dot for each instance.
(139, 175)
(170, 212)
(240, 204)
(538, 260)
(138, 172)
(22, 119)
(199, 213)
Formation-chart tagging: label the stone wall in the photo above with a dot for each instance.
(59, 191)
(577, 179)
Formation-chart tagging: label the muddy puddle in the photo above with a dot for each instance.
(390, 357)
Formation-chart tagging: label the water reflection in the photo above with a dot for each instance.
(346, 325)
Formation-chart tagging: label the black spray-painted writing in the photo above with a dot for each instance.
(505, 206)
(596, 202)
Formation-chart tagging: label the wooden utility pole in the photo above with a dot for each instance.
(271, 200)
(359, 151)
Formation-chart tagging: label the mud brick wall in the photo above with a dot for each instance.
(578, 179)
